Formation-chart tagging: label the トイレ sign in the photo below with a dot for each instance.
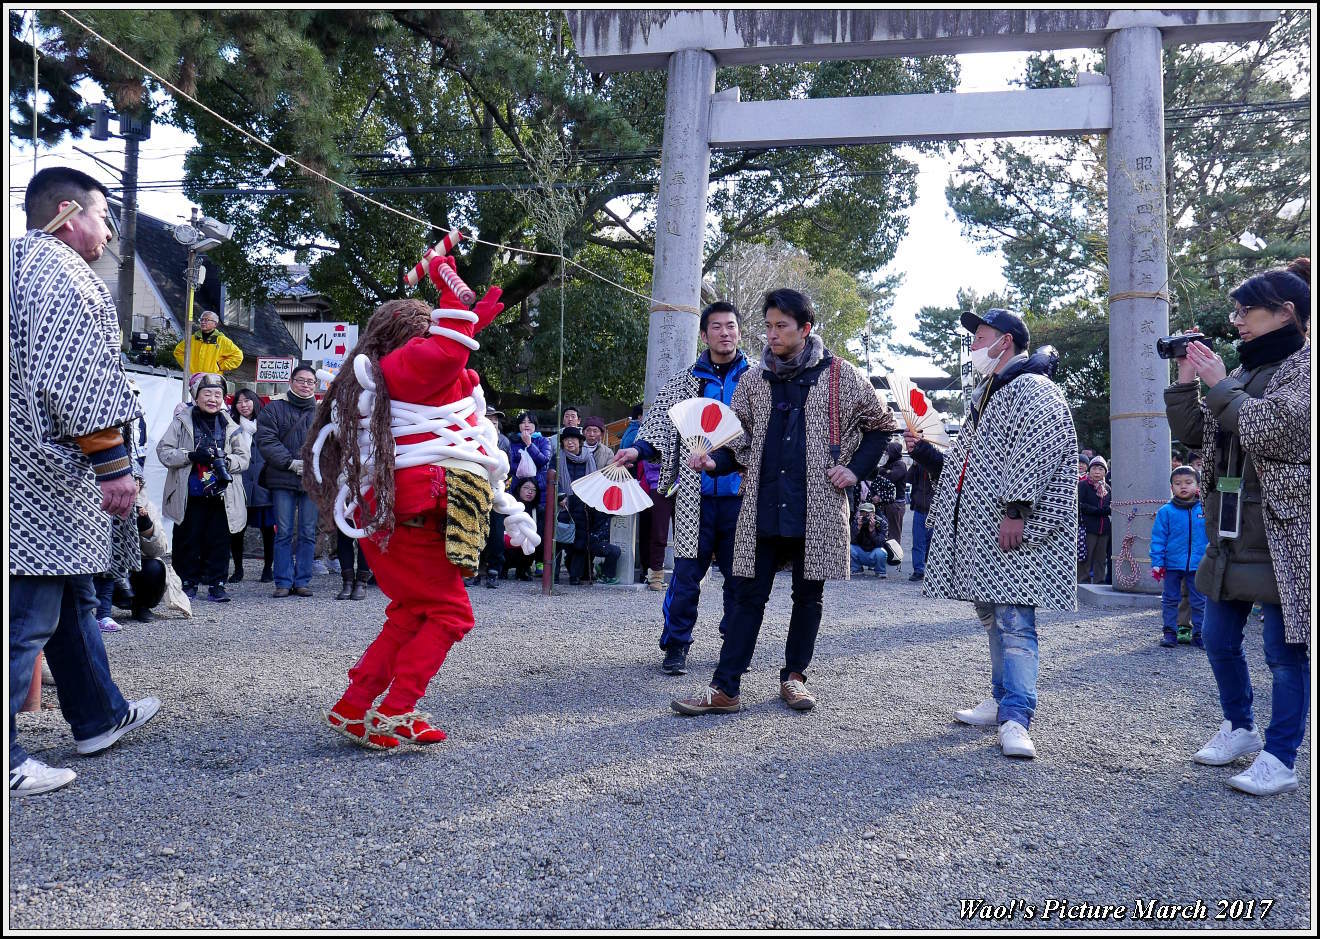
(273, 368)
(328, 343)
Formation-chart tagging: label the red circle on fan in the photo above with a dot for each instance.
(918, 401)
(613, 499)
(710, 417)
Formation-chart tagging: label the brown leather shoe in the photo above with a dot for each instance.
(280, 592)
(706, 701)
(302, 591)
(795, 693)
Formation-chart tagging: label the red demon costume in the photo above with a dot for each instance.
(447, 472)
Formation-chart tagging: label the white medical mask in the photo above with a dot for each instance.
(983, 362)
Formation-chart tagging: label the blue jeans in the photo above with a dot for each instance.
(920, 542)
(58, 614)
(877, 559)
(293, 567)
(1289, 665)
(1172, 598)
(1014, 659)
(104, 585)
(719, 519)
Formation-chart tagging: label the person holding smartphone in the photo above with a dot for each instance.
(1253, 427)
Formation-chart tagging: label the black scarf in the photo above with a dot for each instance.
(1274, 346)
(1186, 503)
(212, 337)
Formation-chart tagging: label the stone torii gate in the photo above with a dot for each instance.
(1127, 103)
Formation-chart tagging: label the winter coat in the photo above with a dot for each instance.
(828, 533)
(282, 428)
(1177, 538)
(921, 488)
(540, 453)
(173, 450)
(1094, 511)
(866, 537)
(671, 453)
(217, 354)
(895, 470)
(158, 545)
(1019, 447)
(1267, 410)
(256, 495)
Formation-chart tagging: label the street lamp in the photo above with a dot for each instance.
(199, 235)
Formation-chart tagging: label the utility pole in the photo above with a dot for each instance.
(132, 131)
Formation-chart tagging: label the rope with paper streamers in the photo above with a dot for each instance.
(179, 92)
(1125, 552)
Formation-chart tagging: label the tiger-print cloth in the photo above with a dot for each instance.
(467, 518)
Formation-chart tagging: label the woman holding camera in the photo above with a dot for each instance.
(204, 450)
(1254, 430)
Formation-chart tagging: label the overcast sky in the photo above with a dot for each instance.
(934, 258)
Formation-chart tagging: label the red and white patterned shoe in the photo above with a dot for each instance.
(355, 728)
(413, 727)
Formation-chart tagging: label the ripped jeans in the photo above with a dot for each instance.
(1014, 658)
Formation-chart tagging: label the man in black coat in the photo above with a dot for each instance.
(282, 428)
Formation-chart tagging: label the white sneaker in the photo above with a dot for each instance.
(1227, 745)
(1014, 740)
(107, 624)
(139, 712)
(319, 568)
(985, 714)
(33, 777)
(1265, 777)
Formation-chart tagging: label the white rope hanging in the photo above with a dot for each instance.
(454, 443)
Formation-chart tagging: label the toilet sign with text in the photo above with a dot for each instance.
(328, 343)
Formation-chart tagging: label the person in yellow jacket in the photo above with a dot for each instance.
(212, 350)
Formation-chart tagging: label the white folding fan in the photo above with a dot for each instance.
(918, 413)
(612, 490)
(704, 424)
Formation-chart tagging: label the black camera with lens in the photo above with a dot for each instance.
(1175, 347)
(214, 458)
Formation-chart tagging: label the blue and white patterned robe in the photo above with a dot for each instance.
(64, 383)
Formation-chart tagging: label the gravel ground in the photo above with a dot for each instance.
(569, 796)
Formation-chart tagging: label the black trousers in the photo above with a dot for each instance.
(492, 556)
(267, 547)
(201, 542)
(146, 588)
(750, 597)
(344, 550)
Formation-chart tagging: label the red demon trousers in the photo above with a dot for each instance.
(428, 612)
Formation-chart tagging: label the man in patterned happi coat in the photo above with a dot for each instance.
(705, 507)
(70, 471)
(812, 426)
(1004, 518)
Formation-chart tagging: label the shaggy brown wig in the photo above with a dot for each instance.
(390, 327)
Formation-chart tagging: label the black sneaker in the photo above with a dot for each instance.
(267, 576)
(217, 593)
(237, 576)
(491, 582)
(675, 662)
(190, 591)
(143, 616)
(917, 575)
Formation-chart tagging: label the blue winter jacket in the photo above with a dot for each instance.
(1178, 539)
(721, 389)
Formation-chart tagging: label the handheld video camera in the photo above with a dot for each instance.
(1175, 347)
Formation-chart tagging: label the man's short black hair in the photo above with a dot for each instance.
(1185, 471)
(719, 306)
(792, 302)
(570, 408)
(54, 185)
(637, 411)
(302, 368)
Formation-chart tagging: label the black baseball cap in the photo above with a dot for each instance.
(1005, 321)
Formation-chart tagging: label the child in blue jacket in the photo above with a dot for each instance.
(1177, 543)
